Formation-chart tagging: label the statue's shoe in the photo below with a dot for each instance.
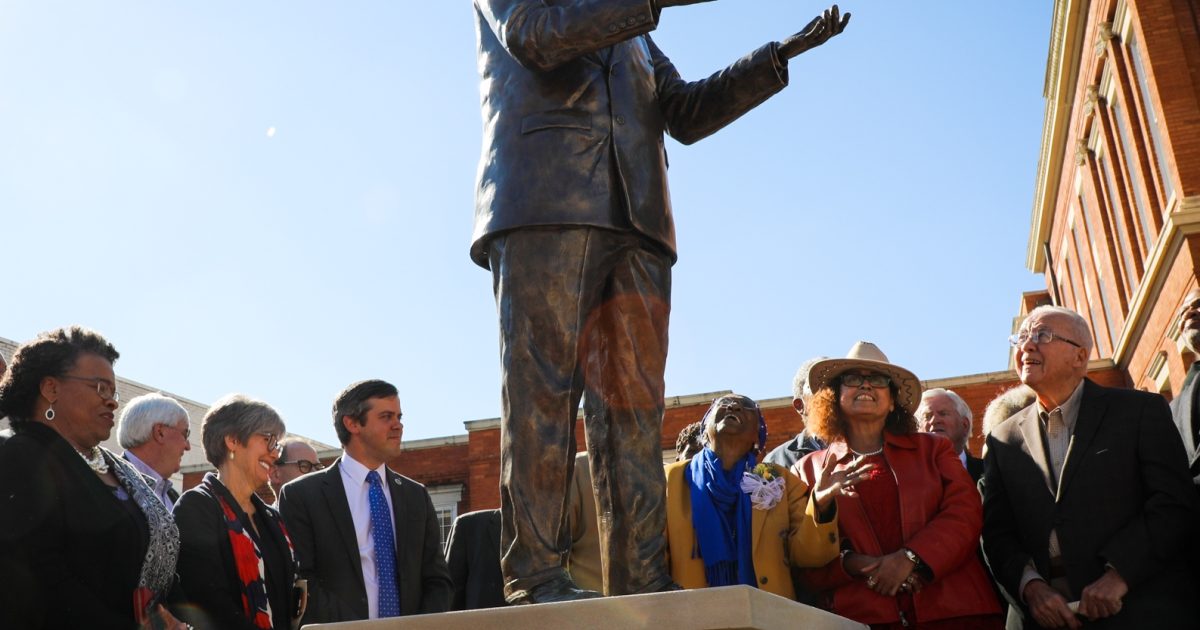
(559, 589)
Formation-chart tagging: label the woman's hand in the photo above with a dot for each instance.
(831, 483)
(859, 564)
(162, 618)
(892, 575)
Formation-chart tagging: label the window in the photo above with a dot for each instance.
(1130, 157)
(445, 504)
(1124, 244)
(1160, 152)
(1085, 243)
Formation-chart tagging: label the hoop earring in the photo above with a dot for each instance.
(49, 414)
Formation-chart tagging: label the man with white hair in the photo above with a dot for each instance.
(943, 412)
(1184, 407)
(153, 429)
(795, 449)
(1087, 502)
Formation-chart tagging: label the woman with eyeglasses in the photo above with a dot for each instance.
(236, 565)
(910, 530)
(84, 541)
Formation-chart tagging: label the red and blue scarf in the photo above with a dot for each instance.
(247, 556)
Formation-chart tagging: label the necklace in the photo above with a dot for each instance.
(874, 452)
(96, 462)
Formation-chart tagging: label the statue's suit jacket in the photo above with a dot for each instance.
(317, 515)
(575, 100)
(1125, 498)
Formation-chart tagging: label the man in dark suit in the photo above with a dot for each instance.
(1185, 407)
(943, 412)
(573, 218)
(473, 554)
(1086, 493)
(367, 539)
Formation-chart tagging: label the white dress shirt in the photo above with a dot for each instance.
(354, 480)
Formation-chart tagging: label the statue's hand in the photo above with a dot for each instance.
(662, 4)
(816, 33)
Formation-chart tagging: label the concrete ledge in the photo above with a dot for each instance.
(725, 608)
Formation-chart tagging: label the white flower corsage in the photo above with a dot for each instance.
(764, 485)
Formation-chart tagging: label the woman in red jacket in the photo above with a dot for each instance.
(910, 531)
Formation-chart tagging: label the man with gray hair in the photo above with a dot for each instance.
(153, 429)
(1087, 500)
(1184, 407)
(804, 443)
(943, 412)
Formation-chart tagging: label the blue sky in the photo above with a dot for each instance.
(884, 195)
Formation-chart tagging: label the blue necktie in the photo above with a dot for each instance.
(385, 549)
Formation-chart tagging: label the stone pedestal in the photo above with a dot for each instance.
(725, 608)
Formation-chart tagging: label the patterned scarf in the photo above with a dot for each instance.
(246, 554)
(162, 550)
(721, 518)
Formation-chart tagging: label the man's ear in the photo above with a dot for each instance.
(351, 425)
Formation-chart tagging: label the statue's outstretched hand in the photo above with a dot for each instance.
(816, 33)
(662, 4)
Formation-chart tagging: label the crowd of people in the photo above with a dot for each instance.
(1078, 514)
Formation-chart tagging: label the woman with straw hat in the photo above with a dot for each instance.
(910, 530)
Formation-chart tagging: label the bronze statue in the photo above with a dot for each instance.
(573, 218)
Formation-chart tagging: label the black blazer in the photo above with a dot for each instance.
(1125, 498)
(473, 554)
(70, 555)
(208, 573)
(974, 468)
(317, 516)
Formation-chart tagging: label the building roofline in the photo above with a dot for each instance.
(1062, 71)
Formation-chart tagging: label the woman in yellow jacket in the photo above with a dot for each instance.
(730, 521)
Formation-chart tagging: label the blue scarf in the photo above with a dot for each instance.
(721, 519)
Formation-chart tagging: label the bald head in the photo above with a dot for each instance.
(296, 458)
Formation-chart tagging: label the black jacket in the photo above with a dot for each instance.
(208, 572)
(1125, 498)
(473, 554)
(70, 555)
(317, 516)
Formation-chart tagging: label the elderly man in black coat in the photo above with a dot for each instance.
(573, 218)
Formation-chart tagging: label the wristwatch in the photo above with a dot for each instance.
(912, 556)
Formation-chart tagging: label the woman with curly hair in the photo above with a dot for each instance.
(909, 530)
(731, 520)
(84, 542)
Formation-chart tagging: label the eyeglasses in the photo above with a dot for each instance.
(874, 380)
(272, 441)
(304, 465)
(1038, 337)
(186, 433)
(104, 387)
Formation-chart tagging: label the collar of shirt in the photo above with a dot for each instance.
(962, 457)
(356, 472)
(1069, 408)
(144, 468)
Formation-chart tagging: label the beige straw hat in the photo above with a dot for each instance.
(867, 355)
